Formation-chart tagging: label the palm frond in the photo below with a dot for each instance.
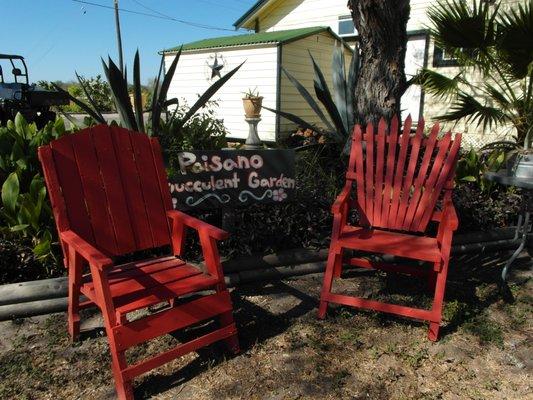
(465, 32)
(437, 84)
(497, 96)
(468, 108)
(514, 39)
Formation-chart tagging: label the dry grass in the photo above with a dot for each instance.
(485, 352)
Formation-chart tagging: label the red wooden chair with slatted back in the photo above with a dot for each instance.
(110, 197)
(400, 180)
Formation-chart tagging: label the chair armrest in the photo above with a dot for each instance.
(341, 200)
(447, 218)
(92, 255)
(197, 224)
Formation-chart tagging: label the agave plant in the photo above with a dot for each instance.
(131, 116)
(339, 105)
(496, 43)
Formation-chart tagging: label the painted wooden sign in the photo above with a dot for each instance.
(232, 178)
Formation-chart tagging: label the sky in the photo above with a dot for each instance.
(58, 37)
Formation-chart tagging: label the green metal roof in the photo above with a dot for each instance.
(250, 39)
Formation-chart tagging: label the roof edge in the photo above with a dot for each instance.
(309, 31)
(256, 7)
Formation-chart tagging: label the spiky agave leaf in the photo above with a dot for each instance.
(161, 95)
(294, 118)
(156, 119)
(85, 89)
(309, 99)
(137, 92)
(353, 80)
(324, 95)
(119, 90)
(95, 115)
(340, 88)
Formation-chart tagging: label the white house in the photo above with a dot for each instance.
(284, 32)
(264, 54)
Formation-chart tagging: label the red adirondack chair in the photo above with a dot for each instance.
(399, 182)
(110, 197)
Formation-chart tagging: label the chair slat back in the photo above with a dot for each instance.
(401, 177)
(109, 186)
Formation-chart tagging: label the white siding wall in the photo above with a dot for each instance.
(260, 69)
(295, 59)
(291, 14)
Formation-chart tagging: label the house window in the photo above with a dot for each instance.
(443, 59)
(346, 26)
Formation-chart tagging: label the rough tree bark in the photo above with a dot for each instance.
(382, 29)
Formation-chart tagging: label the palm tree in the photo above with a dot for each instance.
(497, 43)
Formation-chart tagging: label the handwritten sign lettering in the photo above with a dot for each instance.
(210, 179)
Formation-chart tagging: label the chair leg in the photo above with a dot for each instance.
(440, 288)
(73, 311)
(334, 259)
(337, 271)
(232, 343)
(118, 364)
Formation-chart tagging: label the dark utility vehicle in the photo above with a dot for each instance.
(18, 95)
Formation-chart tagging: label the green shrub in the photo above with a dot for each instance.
(202, 131)
(98, 89)
(25, 211)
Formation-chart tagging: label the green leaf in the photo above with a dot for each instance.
(42, 249)
(18, 228)
(10, 192)
(468, 179)
(21, 126)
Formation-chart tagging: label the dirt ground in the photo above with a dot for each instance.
(485, 351)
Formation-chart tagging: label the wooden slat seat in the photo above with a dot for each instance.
(387, 242)
(138, 285)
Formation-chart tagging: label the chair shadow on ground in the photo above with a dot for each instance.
(255, 324)
(467, 275)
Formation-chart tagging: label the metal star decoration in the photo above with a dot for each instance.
(216, 68)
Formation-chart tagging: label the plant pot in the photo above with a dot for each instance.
(252, 106)
(520, 165)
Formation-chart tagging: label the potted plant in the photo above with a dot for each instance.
(252, 103)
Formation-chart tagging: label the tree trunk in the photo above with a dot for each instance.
(382, 29)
